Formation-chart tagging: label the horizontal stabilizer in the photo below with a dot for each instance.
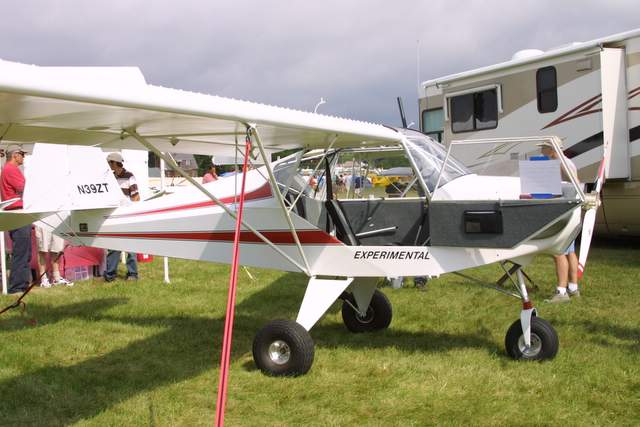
(67, 177)
(10, 220)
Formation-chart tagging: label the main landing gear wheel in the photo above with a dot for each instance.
(544, 341)
(378, 314)
(283, 348)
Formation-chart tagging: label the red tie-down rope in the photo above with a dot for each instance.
(231, 301)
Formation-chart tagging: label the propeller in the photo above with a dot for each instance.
(593, 202)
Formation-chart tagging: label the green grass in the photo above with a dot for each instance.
(148, 353)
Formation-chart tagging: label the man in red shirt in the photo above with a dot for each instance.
(12, 187)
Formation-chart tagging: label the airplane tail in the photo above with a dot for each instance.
(64, 178)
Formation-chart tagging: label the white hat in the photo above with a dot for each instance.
(115, 157)
(548, 144)
(14, 147)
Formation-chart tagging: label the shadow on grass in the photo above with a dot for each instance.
(186, 347)
(630, 336)
(33, 312)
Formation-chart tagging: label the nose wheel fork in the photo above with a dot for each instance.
(530, 337)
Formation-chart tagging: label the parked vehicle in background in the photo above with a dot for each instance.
(586, 93)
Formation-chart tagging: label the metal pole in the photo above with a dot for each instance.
(3, 251)
(4, 263)
(231, 300)
(352, 182)
(402, 116)
(165, 260)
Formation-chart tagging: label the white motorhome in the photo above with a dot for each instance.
(586, 93)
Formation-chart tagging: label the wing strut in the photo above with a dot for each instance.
(278, 195)
(172, 164)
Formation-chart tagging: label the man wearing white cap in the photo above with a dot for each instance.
(129, 187)
(12, 187)
(567, 263)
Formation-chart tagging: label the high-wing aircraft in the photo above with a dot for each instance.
(461, 220)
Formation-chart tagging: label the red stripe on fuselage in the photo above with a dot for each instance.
(263, 192)
(279, 237)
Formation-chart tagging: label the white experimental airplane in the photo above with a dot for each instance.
(462, 221)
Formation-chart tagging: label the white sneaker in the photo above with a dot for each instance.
(575, 293)
(44, 282)
(558, 298)
(63, 281)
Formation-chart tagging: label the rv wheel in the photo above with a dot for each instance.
(283, 348)
(544, 341)
(378, 314)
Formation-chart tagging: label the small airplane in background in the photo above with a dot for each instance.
(462, 221)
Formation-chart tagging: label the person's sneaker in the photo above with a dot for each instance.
(558, 298)
(62, 281)
(44, 282)
(131, 277)
(109, 278)
(575, 293)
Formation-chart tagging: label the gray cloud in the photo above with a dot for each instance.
(359, 55)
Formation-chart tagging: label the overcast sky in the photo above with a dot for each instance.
(358, 55)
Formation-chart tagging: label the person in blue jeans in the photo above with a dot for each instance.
(129, 187)
(11, 188)
(113, 259)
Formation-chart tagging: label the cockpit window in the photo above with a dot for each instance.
(429, 156)
(287, 176)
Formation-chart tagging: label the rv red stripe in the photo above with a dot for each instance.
(585, 108)
(590, 106)
(280, 237)
(565, 117)
(263, 192)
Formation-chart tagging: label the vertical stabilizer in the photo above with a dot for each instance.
(64, 177)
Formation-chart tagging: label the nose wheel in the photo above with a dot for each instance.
(544, 341)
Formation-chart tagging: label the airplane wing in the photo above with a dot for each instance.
(93, 105)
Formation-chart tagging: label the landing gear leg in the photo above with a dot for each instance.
(531, 337)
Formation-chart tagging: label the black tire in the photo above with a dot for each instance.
(378, 315)
(544, 341)
(283, 348)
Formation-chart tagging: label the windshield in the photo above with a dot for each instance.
(287, 176)
(429, 156)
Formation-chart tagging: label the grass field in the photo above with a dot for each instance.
(147, 353)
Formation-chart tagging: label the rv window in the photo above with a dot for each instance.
(433, 123)
(486, 109)
(462, 113)
(474, 111)
(547, 89)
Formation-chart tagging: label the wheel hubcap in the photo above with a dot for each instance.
(279, 352)
(367, 318)
(533, 350)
